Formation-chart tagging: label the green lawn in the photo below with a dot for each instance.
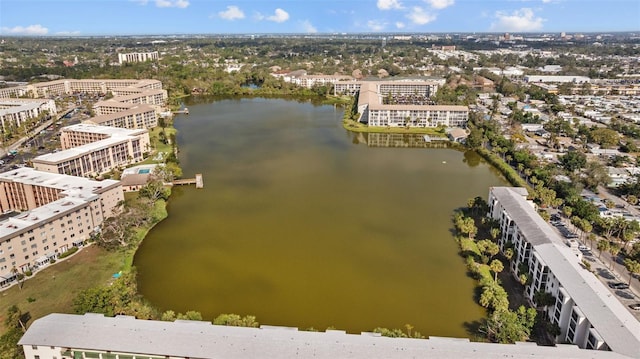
(55, 287)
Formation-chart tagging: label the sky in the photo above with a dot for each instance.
(150, 17)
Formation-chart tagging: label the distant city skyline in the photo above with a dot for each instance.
(154, 17)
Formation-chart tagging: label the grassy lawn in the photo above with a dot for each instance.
(360, 127)
(55, 287)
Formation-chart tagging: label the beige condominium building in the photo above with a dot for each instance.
(90, 150)
(132, 116)
(406, 106)
(57, 212)
(586, 312)
(136, 103)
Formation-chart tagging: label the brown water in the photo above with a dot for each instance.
(302, 224)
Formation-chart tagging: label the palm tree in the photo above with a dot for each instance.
(614, 249)
(603, 246)
(633, 267)
(496, 267)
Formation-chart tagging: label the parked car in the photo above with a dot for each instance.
(618, 285)
(635, 306)
(583, 248)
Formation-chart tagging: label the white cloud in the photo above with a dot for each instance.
(376, 25)
(517, 21)
(232, 13)
(31, 30)
(172, 3)
(389, 4)
(279, 16)
(400, 25)
(420, 17)
(141, 2)
(308, 27)
(440, 4)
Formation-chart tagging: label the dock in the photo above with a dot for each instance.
(184, 111)
(198, 181)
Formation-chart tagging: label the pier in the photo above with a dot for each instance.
(184, 111)
(198, 181)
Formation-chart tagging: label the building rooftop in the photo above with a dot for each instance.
(75, 152)
(369, 94)
(619, 328)
(204, 340)
(106, 130)
(30, 176)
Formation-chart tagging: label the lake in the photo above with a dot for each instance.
(302, 223)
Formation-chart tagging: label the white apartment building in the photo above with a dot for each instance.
(138, 57)
(375, 113)
(72, 336)
(14, 112)
(426, 88)
(557, 79)
(586, 312)
(90, 150)
(309, 81)
(58, 212)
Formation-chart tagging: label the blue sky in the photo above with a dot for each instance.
(136, 17)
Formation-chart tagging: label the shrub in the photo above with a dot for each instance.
(71, 251)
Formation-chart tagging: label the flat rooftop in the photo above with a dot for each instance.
(30, 176)
(192, 339)
(105, 130)
(76, 152)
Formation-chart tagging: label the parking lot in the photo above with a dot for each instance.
(598, 266)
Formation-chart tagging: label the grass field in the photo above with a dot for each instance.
(52, 290)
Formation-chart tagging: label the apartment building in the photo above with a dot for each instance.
(309, 81)
(375, 113)
(91, 150)
(84, 133)
(133, 117)
(58, 212)
(557, 79)
(154, 98)
(71, 336)
(586, 312)
(138, 57)
(15, 112)
(426, 88)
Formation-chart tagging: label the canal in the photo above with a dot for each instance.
(302, 223)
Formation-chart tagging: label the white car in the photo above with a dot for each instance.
(583, 248)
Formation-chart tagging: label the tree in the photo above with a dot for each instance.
(633, 267)
(236, 321)
(573, 161)
(488, 249)
(493, 296)
(506, 326)
(15, 325)
(496, 267)
(603, 246)
(544, 299)
(614, 249)
(468, 226)
(595, 174)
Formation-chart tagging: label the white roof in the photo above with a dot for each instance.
(619, 328)
(75, 152)
(204, 340)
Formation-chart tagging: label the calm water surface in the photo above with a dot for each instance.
(301, 223)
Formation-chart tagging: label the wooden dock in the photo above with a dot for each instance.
(185, 111)
(198, 181)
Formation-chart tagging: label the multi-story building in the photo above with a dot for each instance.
(138, 57)
(14, 112)
(135, 116)
(376, 113)
(586, 312)
(309, 81)
(557, 79)
(58, 212)
(152, 98)
(90, 150)
(70, 336)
